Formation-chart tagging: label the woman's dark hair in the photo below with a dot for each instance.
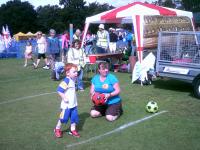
(104, 65)
(76, 41)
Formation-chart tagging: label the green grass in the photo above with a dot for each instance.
(27, 122)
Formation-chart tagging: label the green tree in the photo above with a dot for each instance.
(76, 4)
(65, 2)
(74, 12)
(19, 16)
(50, 17)
(191, 5)
(95, 8)
(169, 3)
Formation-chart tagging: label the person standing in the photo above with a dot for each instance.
(41, 49)
(67, 92)
(53, 48)
(65, 45)
(89, 44)
(77, 35)
(77, 56)
(103, 39)
(113, 40)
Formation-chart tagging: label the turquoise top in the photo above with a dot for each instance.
(106, 87)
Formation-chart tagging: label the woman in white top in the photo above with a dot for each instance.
(41, 48)
(77, 56)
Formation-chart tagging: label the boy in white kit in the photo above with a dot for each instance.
(67, 91)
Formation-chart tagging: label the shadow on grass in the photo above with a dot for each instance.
(82, 117)
(87, 81)
(175, 85)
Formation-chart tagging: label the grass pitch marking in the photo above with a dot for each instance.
(23, 98)
(117, 129)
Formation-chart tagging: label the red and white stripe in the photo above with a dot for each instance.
(134, 13)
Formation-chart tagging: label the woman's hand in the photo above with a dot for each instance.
(91, 95)
(107, 95)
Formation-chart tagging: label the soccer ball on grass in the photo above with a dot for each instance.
(152, 107)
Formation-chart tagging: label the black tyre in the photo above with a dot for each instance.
(197, 88)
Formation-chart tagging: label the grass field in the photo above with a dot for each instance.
(29, 108)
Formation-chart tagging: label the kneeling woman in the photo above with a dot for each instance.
(106, 83)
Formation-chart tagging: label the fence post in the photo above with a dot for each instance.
(71, 33)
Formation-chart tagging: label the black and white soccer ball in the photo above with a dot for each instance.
(152, 107)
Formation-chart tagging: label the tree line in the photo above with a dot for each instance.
(21, 16)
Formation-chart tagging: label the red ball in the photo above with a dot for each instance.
(98, 99)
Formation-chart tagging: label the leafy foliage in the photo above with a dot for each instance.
(191, 5)
(169, 3)
(49, 17)
(20, 16)
(65, 2)
(74, 13)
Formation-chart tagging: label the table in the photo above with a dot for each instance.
(108, 55)
(89, 67)
(115, 58)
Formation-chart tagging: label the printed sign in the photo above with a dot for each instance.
(176, 70)
(154, 24)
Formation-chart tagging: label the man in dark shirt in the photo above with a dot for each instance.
(113, 40)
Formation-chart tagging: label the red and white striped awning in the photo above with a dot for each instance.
(134, 13)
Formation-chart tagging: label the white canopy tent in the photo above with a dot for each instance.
(134, 13)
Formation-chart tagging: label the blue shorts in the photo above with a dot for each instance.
(70, 113)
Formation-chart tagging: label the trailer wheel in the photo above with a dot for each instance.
(197, 88)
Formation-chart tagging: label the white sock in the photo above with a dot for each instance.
(59, 124)
(73, 127)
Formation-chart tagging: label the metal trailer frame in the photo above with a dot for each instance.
(178, 57)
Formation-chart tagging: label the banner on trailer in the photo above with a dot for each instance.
(154, 24)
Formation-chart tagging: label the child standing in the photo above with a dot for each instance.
(67, 91)
(28, 54)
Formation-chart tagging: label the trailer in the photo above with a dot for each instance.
(178, 57)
